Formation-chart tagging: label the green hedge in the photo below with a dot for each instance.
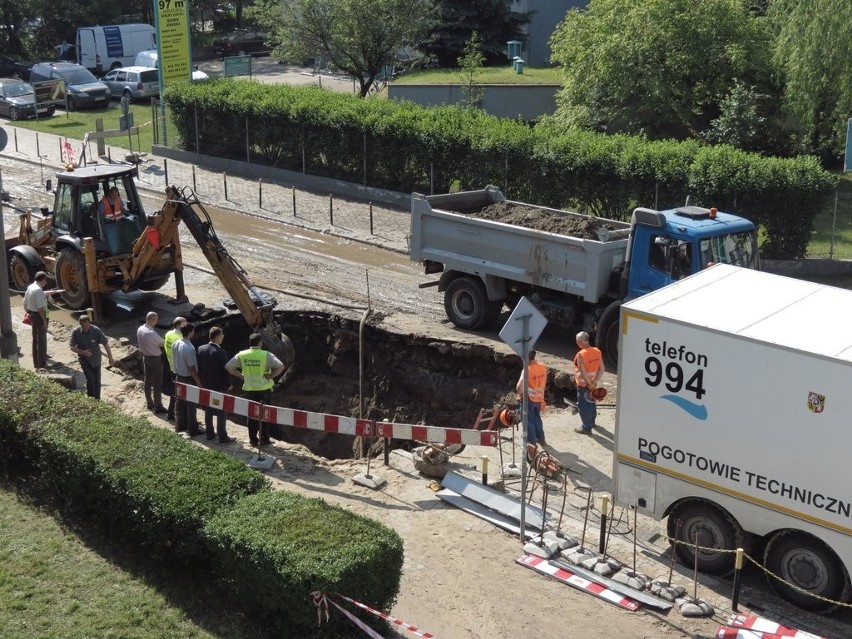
(193, 505)
(406, 148)
(323, 548)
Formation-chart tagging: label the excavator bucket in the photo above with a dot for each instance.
(279, 344)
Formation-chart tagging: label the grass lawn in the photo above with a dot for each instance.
(485, 75)
(76, 124)
(53, 584)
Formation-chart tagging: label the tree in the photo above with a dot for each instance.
(471, 66)
(658, 67)
(813, 53)
(359, 37)
(494, 21)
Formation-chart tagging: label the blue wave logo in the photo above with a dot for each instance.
(698, 411)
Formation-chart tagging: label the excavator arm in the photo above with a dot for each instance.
(183, 206)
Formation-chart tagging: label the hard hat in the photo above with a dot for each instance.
(507, 417)
(598, 394)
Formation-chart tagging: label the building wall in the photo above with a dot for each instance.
(547, 15)
(524, 101)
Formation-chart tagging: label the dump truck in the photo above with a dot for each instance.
(90, 254)
(580, 282)
(732, 417)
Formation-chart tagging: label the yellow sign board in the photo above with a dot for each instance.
(172, 20)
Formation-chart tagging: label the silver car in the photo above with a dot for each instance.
(133, 82)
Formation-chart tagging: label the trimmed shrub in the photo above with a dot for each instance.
(405, 147)
(201, 507)
(279, 547)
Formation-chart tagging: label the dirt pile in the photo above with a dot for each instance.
(562, 223)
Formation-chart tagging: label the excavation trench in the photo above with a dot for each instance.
(407, 378)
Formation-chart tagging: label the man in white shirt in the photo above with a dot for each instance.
(35, 303)
(151, 346)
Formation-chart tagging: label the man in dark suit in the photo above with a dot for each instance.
(211, 367)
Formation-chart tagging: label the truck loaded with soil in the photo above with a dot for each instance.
(488, 252)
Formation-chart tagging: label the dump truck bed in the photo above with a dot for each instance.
(444, 230)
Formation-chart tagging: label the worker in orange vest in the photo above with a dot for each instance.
(537, 380)
(111, 205)
(588, 370)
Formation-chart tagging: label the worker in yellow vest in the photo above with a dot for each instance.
(169, 340)
(536, 380)
(258, 369)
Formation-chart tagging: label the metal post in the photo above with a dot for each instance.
(294, 201)
(526, 407)
(16, 140)
(59, 141)
(371, 218)
(194, 187)
(738, 568)
(8, 339)
(166, 170)
(259, 193)
(38, 149)
(485, 470)
(604, 511)
(331, 208)
(833, 227)
(225, 182)
(109, 155)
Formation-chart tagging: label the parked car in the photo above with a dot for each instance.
(150, 58)
(11, 68)
(243, 42)
(82, 89)
(133, 82)
(17, 101)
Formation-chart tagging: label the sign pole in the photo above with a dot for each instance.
(8, 339)
(525, 346)
(520, 332)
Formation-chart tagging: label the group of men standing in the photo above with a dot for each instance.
(208, 367)
(588, 371)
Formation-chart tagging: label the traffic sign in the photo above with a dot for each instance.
(524, 326)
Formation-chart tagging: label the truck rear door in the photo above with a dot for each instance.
(87, 50)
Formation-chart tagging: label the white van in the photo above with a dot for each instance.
(101, 49)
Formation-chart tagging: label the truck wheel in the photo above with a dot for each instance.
(717, 534)
(71, 276)
(806, 562)
(21, 274)
(466, 303)
(609, 330)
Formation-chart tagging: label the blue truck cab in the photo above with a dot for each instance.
(666, 246)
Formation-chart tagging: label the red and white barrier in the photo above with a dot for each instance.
(321, 601)
(754, 627)
(317, 421)
(436, 434)
(332, 423)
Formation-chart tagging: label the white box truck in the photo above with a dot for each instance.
(735, 422)
(103, 48)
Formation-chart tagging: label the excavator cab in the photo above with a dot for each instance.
(104, 207)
